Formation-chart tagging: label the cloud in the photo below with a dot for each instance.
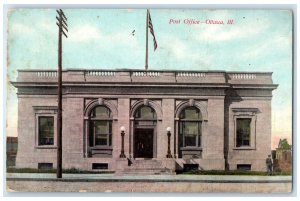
(256, 50)
(42, 27)
(122, 38)
(18, 28)
(90, 33)
(177, 48)
(266, 46)
(180, 51)
(217, 33)
(84, 33)
(48, 27)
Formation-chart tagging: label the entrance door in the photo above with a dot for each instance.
(143, 143)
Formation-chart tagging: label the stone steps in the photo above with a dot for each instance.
(146, 171)
(146, 164)
(146, 167)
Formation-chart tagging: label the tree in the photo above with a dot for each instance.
(283, 144)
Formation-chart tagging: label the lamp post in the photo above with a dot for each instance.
(122, 155)
(169, 155)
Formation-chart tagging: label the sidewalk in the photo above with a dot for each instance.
(32, 182)
(148, 178)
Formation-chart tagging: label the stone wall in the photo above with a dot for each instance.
(29, 153)
(260, 141)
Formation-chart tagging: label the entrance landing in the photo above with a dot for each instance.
(149, 167)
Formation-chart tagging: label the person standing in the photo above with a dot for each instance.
(269, 164)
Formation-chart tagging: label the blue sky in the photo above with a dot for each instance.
(259, 40)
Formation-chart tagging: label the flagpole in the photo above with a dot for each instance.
(147, 21)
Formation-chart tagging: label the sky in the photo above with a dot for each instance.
(258, 40)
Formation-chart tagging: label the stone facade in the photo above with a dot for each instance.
(221, 98)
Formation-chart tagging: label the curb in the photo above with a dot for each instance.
(146, 180)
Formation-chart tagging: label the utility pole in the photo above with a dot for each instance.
(62, 26)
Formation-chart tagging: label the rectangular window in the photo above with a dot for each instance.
(102, 133)
(191, 128)
(100, 166)
(244, 167)
(189, 134)
(190, 167)
(101, 139)
(243, 132)
(46, 130)
(45, 166)
(190, 140)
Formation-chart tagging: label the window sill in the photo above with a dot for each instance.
(244, 148)
(100, 151)
(101, 147)
(191, 148)
(46, 147)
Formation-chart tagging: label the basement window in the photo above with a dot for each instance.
(244, 167)
(190, 167)
(45, 166)
(100, 166)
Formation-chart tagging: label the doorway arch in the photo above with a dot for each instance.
(145, 117)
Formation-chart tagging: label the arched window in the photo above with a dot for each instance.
(145, 112)
(100, 127)
(190, 121)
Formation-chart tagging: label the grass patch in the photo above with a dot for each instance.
(65, 171)
(232, 172)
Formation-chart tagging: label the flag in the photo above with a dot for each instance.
(152, 31)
